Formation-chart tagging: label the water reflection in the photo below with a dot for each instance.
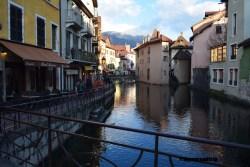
(181, 111)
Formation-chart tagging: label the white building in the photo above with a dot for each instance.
(78, 35)
(181, 52)
(153, 58)
(108, 59)
(201, 49)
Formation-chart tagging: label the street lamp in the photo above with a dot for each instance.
(3, 56)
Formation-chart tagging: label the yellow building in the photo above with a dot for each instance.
(29, 33)
(31, 9)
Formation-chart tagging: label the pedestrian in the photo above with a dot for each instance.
(89, 84)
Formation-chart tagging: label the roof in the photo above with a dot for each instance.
(119, 47)
(32, 53)
(183, 55)
(245, 43)
(159, 39)
(206, 22)
(181, 42)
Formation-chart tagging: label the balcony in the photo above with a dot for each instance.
(83, 56)
(74, 19)
(88, 31)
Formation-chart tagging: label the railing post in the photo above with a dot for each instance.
(49, 142)
(156, 151)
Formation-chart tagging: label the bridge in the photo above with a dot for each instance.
(123, 78)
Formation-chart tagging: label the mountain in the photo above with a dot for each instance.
(121, 39)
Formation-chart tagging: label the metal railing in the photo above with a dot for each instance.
(51, 131)
(84, 56)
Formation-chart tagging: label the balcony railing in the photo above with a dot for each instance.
(83, 56)
(74, 17)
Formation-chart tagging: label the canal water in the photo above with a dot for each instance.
(161, 109)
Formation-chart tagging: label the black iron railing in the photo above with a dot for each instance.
(11, 117)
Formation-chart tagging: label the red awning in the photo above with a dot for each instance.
(32, 54)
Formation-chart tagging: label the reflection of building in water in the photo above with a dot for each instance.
(124, 95)
(199, 114)
(152, 102)
(231, 123)
(181, 99)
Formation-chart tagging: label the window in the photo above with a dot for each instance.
(218, 54)
(16, 23)
(54, 37)
(164, 58)
(214, 75)
(234, 24)
(233, 77)
(148, 74)
(221, 75)
(40, 30)
(68, 34)
(218, 29)
(230, 77)
(234, 50)
(83, 44)
(218, 76)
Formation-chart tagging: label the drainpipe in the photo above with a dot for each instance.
(60, 36)
(4, 82)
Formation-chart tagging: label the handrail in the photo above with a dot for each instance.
(206, 160)
(63, 96)
(167, 135)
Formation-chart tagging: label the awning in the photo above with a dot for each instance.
(32, 55)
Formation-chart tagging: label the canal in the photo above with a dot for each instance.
(161, 109)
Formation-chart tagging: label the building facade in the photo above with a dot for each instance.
(152, 59)
(127, 59)
(79, 21)
(108, 60)
(232, 74)
(201, 49)
(181, 52)
(30, 36)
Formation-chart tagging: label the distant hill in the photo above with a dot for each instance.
(121, 39)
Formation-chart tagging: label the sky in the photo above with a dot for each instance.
(141, 17)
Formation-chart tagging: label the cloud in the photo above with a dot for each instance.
(142, 16)
(116, 14)
(179, 15)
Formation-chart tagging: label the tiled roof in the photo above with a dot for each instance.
(161, 38)
(119, 47)
(181, 42)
